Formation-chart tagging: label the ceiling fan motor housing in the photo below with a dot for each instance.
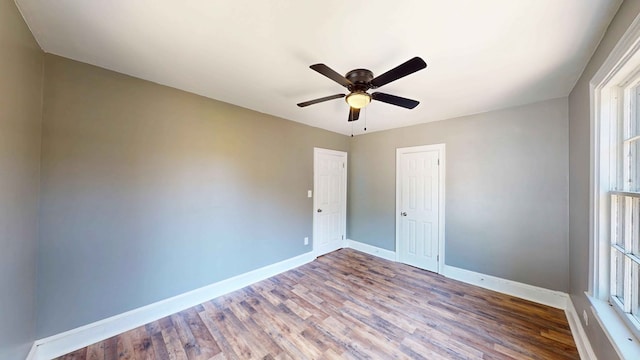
(361, 79)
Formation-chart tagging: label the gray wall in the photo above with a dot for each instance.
(20, 120)
(149, 192)
(579, 109)
(506, 190)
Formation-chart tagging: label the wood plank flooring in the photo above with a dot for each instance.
(349, 305)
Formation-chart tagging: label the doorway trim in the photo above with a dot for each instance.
(441, 196)
(343, 187)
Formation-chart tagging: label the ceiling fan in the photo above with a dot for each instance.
(359, 81)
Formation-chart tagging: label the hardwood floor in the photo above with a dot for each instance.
(349, 305)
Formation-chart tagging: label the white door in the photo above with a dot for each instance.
(330, 200)
(420, 191)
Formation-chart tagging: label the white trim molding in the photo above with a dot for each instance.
(579, 335)
(68, 341)
(371, 250)
(556, 299)
(623, 51)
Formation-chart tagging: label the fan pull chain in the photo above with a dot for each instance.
(365, 119)
(352, 129)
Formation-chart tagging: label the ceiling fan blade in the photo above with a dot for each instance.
(331, 74)
(399, 71)
(395, 100)
(354, 114)
(326, 98)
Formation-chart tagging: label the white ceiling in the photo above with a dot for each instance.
(481, 54)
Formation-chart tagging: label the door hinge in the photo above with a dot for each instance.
(343, 165)
(438, 161)
(437, 257)
(342, 237)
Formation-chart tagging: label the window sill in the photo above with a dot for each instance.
(622, 339)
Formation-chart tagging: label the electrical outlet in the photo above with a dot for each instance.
(585, 317)
(309, 193)
(306, 240)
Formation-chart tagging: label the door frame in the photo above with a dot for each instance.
(316, 152)
(441, 196)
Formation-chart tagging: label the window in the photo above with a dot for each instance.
(615, 194)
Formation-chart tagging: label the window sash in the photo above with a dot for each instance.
(624, 285)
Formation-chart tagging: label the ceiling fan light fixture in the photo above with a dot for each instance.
(358, 99)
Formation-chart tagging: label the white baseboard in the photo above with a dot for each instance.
(556, 299)
(536, 294)
(579, 335)
(371, 250)
(68, 341)
(63, 343)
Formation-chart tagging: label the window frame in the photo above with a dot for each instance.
(606, 95)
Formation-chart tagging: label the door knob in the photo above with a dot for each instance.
(319, 210)
(404, 213)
